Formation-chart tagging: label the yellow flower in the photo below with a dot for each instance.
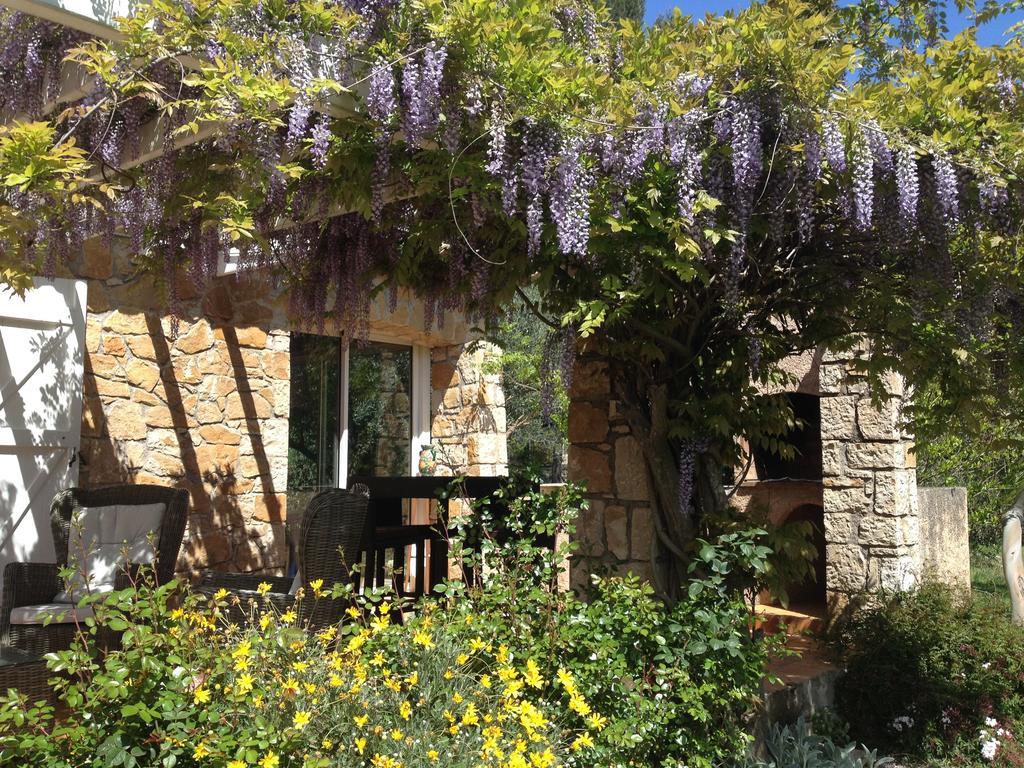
(310, 687)
(582, 742)
(244, 683)
(542, 759)
(532, 675)
(336, 682)
(301, 719)
(264, 621)
(579, 705)
(405, 710)
(448, 674)
(270, 760)
(414, 678)
(361, 744)
(236, 764)
(423, 638)
(393, 684)
(516, 760)
(177, 613)
(352, 611)
(485, 681)
(477, 644)
(596, 721)
(502, 656)
(397, 735)
(300, 666)
(461, 659)
(433, 755)
(470, 716)
(327, 744)
(220, 594)
(327, 635)
(290, 688)
(361, 720)
(200, 751)
(288, 617)
(263, 588)
(317, 585)
(200, 695)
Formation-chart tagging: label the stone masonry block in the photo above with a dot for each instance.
(878, 423)
(616, 530)
(845, 568)
(849, 501)
(630, 470)
(832, 458)
(839, 417)
(840, 528)
(895, 493)
(875, 455)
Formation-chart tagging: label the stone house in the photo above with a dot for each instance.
(854, 478)
(230, 399)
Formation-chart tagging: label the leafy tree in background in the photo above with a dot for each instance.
(696, 201)
(536, 402)
(628, 9)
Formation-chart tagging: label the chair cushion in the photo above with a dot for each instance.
(62, 613)
(98, 540)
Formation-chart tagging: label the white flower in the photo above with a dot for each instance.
(991, 722)
(989, 749)
(902, 723)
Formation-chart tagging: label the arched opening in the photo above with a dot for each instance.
(811, 591)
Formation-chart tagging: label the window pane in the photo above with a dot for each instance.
(379, 410)
(313, 421)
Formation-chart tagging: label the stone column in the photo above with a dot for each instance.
(468, 425)
(615, 533)
(870, 486)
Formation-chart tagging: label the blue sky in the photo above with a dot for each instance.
(990, 34)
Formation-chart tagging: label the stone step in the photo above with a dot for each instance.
(798, 685)
(795, 620)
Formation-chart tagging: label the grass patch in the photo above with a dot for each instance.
(987, 581)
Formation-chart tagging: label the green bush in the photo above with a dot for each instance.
(515, 674)
(926, 676)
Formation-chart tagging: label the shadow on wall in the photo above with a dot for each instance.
(188, 408)
(40, 355)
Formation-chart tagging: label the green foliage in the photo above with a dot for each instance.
(516, 667)
(984, 457)
(536, 403)
(925, 672)
(797, 747)
(628, 9)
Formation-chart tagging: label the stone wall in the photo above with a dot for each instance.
(872, 527)
(199, 402)
(616, 533)
(945, 543)
(202, 401)
(468, 422)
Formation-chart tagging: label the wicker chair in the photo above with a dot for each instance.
(329, 546)
(32, 584)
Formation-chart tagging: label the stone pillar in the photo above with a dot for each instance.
(872, 528)
(615, 534)
(468, 422)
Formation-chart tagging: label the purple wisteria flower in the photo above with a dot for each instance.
(570, 199)
(863, 181)
(321, 141)
(380, 97)
(684, 155)
(946, 193)
(908, 187)
(834, 146)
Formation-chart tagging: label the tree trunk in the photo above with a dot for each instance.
(677, 522)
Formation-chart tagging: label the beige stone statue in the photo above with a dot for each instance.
(1013, 563)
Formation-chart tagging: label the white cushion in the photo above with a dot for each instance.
(296, 583)
(62, 613)
(97, 542)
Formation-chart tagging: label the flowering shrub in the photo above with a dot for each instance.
(928, 676)
(514, 674)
